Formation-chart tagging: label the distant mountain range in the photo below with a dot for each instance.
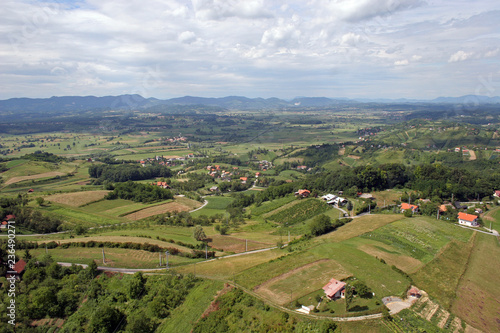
(135, 102)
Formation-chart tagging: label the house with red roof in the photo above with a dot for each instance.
(497, 194)
(468, 219)
(17, 270)
(405, 206)
(302, 193)
(334, 289)
(414, 292)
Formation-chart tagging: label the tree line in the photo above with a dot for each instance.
(126, 172)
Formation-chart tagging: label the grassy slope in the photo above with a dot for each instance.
(440, 277)
(478, 293)
(185, 316)
(115, 257)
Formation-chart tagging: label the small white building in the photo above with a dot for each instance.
(467, 219)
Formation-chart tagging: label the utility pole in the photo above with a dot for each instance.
(103, 257)
(206, 251)
(246, 245)
(159, 255)
(166, 253)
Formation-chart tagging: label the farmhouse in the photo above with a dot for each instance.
(162, 184)
(17, 270)
(497, 194)
(329, 197)
(467, 219)
(302, 193)
(334, 289)
(405, 206)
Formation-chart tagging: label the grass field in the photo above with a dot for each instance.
(478, 292)
(180, 204)
(216, 205)
(312, 276)
(235, 244)
(389, 254)
(378, 276)
(421, 237)
(77, 199)
(114, 257)
(440, 277)
(360, 226)
(226, 268)
(258, 275)
(268, 206)
(123, 239)
(183, 318)
(493, 217)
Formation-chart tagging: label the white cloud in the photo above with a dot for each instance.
(360, 10)
(492, 53)
(222, 9)
(187, 37)
(255, 47)
(459, 56)
(350, 39)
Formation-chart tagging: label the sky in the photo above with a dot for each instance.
(419, 49)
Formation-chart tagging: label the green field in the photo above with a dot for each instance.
(420, 238)
(115, 257)
(478, 291)
(183, 318)
(216, 205)
(441, 276)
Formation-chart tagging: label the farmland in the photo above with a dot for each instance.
(247, 168)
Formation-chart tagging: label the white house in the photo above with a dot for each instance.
(467, 219)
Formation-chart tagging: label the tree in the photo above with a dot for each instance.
(105, 319)
(199, 233)
(349, 205)
(320, 225)
(362, 289)
(137, 286)
(92, 270)
(408, 213)
(349, 295)
(40, 201)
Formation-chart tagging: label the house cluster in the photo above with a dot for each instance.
(466, 219)
(161, 160)
(303, 167)
(217, 172)
(5, 222)
(265, 165)
(332, 199)
(161, 184)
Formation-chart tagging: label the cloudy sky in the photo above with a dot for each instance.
(255, 48)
